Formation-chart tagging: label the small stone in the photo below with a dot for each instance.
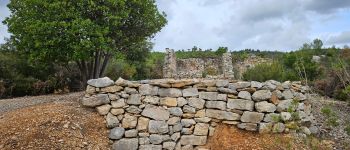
(272, 117)
(244, 95)
(145, 89)
(211, 131)
(193, 140)
(116, 133)
(130, 90)
(151, 100)
(111, 89)
(208, 95)
(90, 89)
(118, 103)
(142, 124)
(274, 98)
(265, 127)
(97, 100)
(133, 110)
(216, 104)
(168, 101)
(187, 147)
(156, 113)
(169, 92)
(176, 136)
(134, 99)
(169, 145)
(201, 129)
(173, 120)
(189, 109)
(219, 114)
(222, 83)
(126, 144)
(278, 128)
(286, 116)
(261, 95)
(181, 101)
(248, 126)
(121, 82)
(112, 121)
(117, 112)
(113, 97)
(100, 82)
(240, 104)
(175, 111)
(129, 121)
(284, 105)
(177, 127)
(222, 97)
(104, 109)
(144, 141)
(287, 94)
(264, 106)
(150, 147)
(131, 133)
(211, 89)
(160, 127)
(305, 130)
(241, 85)
(202, 120)
(196, 103)
(252, 117)
(187, 122)
(255, 84)
(200, 113)
(190, 92)
(157, 138)
(227, 90)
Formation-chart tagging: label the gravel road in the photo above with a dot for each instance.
(20, 102)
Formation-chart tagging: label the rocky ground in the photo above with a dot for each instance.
(59, 122)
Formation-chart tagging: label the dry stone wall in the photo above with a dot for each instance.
(181, 114)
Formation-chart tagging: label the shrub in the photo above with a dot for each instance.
(267, 71)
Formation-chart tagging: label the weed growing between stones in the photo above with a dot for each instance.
(331, 117)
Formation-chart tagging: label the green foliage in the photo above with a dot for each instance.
(347, 129)
(276, 118)
(267, 71)
(86, 32)
(331, 116)
(221, 50)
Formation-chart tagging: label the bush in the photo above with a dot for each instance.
(267, 71)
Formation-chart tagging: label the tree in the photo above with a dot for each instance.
(88, 32)
(317, 44)
(306, 46)
(221, 50)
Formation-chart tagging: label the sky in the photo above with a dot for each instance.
(282, 25)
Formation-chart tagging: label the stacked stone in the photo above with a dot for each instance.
(181, 114)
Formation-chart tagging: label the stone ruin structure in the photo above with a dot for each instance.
(197, 67)
(181, 114)
(242, 66)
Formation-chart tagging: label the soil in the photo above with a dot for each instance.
(52, 123)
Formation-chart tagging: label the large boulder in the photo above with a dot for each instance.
(97, 100)
(262, 95)
(126, 144)
(100, 82)
(240, 104)
(252, 117)
(156, 113)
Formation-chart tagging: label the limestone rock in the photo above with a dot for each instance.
(181, 101)
(116, 133)
(151, 100)
(187, 122)
(117, 112)
(222, 97)
(222, 83)
(244, 95)
(133, 110)
(112, 121)
(265, 127)
(173, 120)
(272, 117)
(129, 121)
(286, 116)
(216, 104)
(284, 105)
(146, 89)
(287, 94)
(118, 103)
(241, 85)
(278, 128)
(156, 113)
(142, 124)
(248, 126)
(219, 114)
(240, 104)
(264, 106)
(112, 89)
(252, 117)
(190, 92)
(100, 82)
(196, 103)
(168, 101)
(104, 109)
(189, 109)
(134, 99)
(201, 129)
(255, 84)
(193, 140)
(158, 139)
(90, 89)
(126, 144)
(160, 127)
(131, 133)
(150, 147)
(169, 145)
(97, 100)
(208, 95)
(227, 90)
(176, 136)
(176, 111)
(169, 92)
(261, 95)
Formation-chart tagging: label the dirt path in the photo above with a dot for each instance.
(50, 122)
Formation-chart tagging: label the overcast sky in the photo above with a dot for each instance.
(238, 24)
